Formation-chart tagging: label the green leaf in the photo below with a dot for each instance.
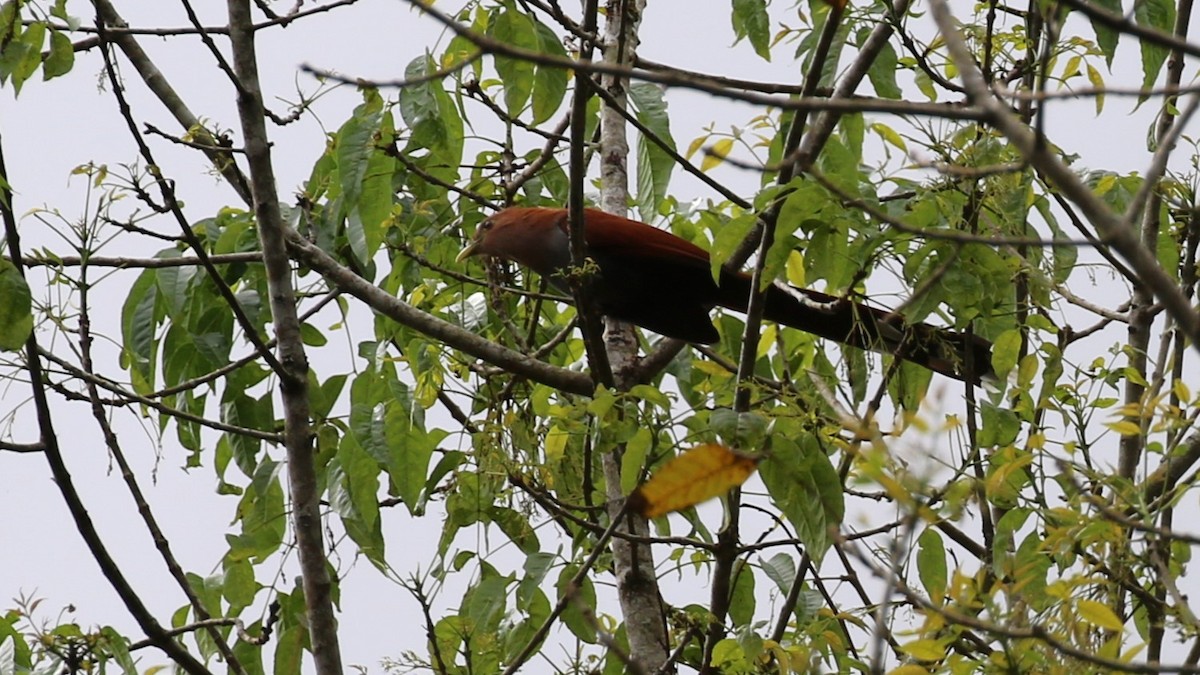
(741, 601)
(410, 449)
(516, 29)
(804, 202)
(138, 323)
(355, 143)
(882, 73)
(115, 643)
(484, 602)
(807, 46)
(1063, 257)
(806, 487)
(325, 394)
(417, 103)
(239, 585)
(634, 458)
(368, 390)
(584, 597)
(27, 52)
(357, 477)
(840, 165)
(750, 19)
(1006, 528)
(436, 126)
(830, 242)
(16, 308)
(654, 164)
(517, 528)
(781, 569)
(262, 516)
(173, 285)
(61, 57)
(726, 238)
(1005, 351)
(537, 564)
(289, 650)
(549, 83)
(1158, 14)
(1106, 37)
(373, 210)
(1000, 426)
(931, 564)
(1167, 248)
(241, 410)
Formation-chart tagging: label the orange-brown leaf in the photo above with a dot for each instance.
(704, 472)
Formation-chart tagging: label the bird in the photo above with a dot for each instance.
(663, 283)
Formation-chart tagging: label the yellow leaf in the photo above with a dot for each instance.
(924, 650)
(1181, 391)
(1130, 653)
(713, 156)
(1072, 68)
(711, 369)
(1100, 615)
(704, 472)
(1125, 427)
(1098, 82)
(909, 669)
(556, 443)
(889, 134)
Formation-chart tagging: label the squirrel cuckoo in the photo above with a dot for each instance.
(656, 280)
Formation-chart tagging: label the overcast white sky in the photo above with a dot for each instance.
(55, 126)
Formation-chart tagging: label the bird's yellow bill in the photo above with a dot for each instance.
(468, 251)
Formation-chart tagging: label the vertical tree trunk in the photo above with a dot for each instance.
(293, 381)
(637, 585)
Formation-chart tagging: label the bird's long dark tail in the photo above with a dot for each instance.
(942, 350)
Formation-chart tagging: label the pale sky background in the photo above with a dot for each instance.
(55, 126)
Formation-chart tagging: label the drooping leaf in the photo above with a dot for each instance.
(1160, 15)
(654, 164)
(25, 53)
(805, 486)
(1005, 351)
(726, 238)
(750, 20)
(931, 564)
(436, 138)
(139, 320)
(549, 83)
(409, 449)
(584, 596)
(517, 29)
(741, 600)
(61, 57)
(16, 308)
(1106, 37)
(355, 143)
(882, 73)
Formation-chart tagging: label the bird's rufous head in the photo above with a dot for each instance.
(530, 236)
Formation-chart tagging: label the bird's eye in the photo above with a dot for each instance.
(486, 225)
